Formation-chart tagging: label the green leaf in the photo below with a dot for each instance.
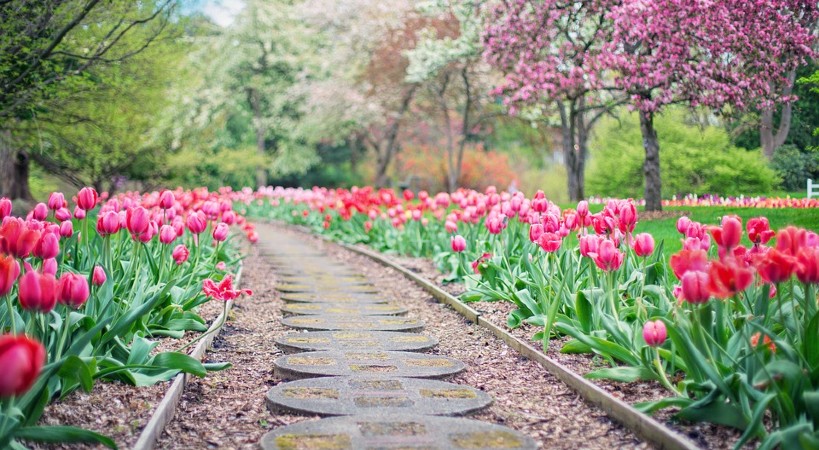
(624, 374)
(575, 346)
(717, 411)
(216, 367)
(76, 370)
(63, 434)
(583, 311)
(179, 361)
(651, 407)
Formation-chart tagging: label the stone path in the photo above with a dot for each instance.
(359, 370)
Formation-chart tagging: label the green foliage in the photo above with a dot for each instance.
(221, 167)
(693, 159)
(795, 167)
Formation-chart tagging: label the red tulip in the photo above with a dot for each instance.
(253, 237)
(759, 231)
(87, 198)
(729, 235)
(654, 333)
(98, 278)
(775, 266)
(56, 201)
(21, 359)
(37, 292)
(791, 239)
(180, 254)
(9, 271)
(137, 220)
(688, 260)
(643, 244)
(72, 290)
(5, 208)
(807, 265)
(726, 279)
(695, 286)
(458, 243)
(47, 247)
(196, 223)
(220, 233)
(166, 199)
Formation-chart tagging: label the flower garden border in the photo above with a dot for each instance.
(165, 410)
(641, 424)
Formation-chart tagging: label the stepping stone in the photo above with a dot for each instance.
(342, 396)
(316, 287)
(358, 363)
(331, 297)
(337, 322)
(320, 279)
(396, 432)
(355, 340)
(367, 309)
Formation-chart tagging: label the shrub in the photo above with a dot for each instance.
(795, 167)
(693, 159)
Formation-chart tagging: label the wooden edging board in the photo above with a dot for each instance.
(163, 414)
(641, 424)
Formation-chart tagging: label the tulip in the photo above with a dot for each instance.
(775, 266)
(476, 265)
(56, 201)
(229, 217)
(72, 290)
(643, 244)
(9, 271)
(180, 254)
(628, 217)
(759, 230)
(589, 244)
(67, 229)
(79, 213)
(98, 278)
(726, 279)
(450, 226)
(224, 290)
(729, 235)
(87, 198)
(5, 208)
(17, 238)
(654, 333)
(807, 265)
(21, 359)
(221, 266)
(688, 260)
(253, 237)
(47, 247)
(40, 212)
(607, 258)
(167, 234)
(62, 214)
(37, 292)
(196, 223)
(166, 199)
(108, 223)
(220, 233)
(458, 243)
(791, 239)
(50, 267)
(535, 231)
(137, 220)
(695, 286)
(549, 242)
(683, 223)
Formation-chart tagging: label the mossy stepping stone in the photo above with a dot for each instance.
(341, 396)
(358, 363)
(338, 322)
(355, 340)
(396, 432)
(326, 287)
(367, 309)
(332, 297)
(324, 279)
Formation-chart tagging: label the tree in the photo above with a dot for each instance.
(47, 48)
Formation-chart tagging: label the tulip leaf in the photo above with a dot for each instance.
(575, 346)
(63, 434)
(623, 374)
(717, 411)
(180, 361)
(583, 311)
(76, 370)
(651, 407)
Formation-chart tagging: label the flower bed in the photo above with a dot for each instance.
(729, 331)
(87, 293)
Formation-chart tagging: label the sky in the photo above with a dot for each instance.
(222, 12)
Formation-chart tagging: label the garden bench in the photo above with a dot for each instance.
(813, 188)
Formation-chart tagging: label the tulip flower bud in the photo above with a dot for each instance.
(47, 247)
(458, 243)
(108, 223)
(21, 359)
(220, 233)
(87, 198)
(167, 234)
(682, 225)
(196, 223)
(643, 244)
(654, 333)
(535, 231)
(180, 254)
(72, 290)
(98, 278)
(695, 286)
(583, 208)
(166, 200)
(50, 267)
(229, 217)
(40, 211)
(137, 219)
(5, 208)
(67, 229)
(62, 214)
(37, 292)
(56, 201)
(79, 213)
(9, 271)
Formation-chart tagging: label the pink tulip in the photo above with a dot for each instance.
(450, 226)
(654, 333)
(608, 258)
(56, 201)
(220, 233)
(628, 217)
(695, 286)
(180, 254)
(50, 266)
(589, 244)
(40, 211)
(47, 247)
(683, 223)
(229, 217)
(166, 199)
(196, 223)
(62, 214)
(137, 220)
(643, 244)
(458, 243)
(72, 290)
(99, 277)
(167, 234)
(550, 242)
(5, 208)
(37, 292)
(79, 213)
(535, 231)
(108, 223)
(21, 359)
(583, 208)
(87, 198)
(67, 229)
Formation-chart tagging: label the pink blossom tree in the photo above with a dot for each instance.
(703, 53)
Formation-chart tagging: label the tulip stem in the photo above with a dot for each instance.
(661, 373)
(11, 314)
(222, 321)
(63, 335)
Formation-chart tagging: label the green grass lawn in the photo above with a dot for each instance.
(665, 230)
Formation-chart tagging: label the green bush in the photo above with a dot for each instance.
(795, 167)
(693, 159)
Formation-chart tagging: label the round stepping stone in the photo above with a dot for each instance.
(331, 297)
(338, 322)
(355, 340)
(316, 287)
(343, 280)
(343, 396)
(396, 432)
(367, 309)
(358, 363)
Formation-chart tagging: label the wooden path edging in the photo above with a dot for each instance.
(164, 412)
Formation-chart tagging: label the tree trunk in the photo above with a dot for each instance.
(582, 146)
(465, 130)
(571, 156)
(770, 140)
(384, 156)
(256, 106)
(651, 167)
(14, 166)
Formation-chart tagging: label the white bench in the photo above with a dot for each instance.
(813, 188)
